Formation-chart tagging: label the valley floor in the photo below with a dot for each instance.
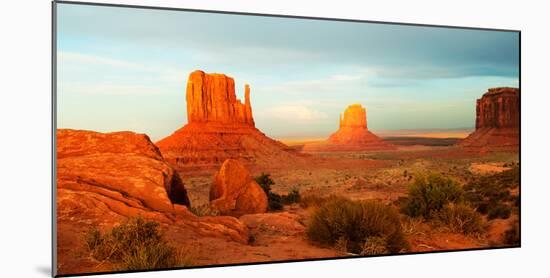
(280, 235)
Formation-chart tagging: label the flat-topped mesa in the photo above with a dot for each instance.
(497, 122)
(498, 108)
(355, 116)
(211, 98)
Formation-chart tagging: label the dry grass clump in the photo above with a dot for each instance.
(461, 218)
(136, 245)
(204, 210)
(359, 227)
(316, 200)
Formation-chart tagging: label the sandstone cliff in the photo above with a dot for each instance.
(497, 121)
(219, 127)
(104, 178)
(353, 134)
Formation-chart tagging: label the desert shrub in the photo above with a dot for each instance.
(265, 182)
(491, 194)
(499, 210)
(204, 210)
(292, 197)
(276, 201)
(429, 194)
(135, 245)
(351, 224)
(375, 246)
(511, 236)
(460, 218)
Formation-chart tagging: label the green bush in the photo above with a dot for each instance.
(135, 245)
(429, 194)
(354, 223)
(461, 218)
(276, 201)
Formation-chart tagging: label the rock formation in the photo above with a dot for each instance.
(235, 193)
(353, 134)
(104, 178)
(497, 121)
(211, 98)
(219, 127)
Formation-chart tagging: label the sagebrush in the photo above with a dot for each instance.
(357, 226)
(136, 244)
(429, 194)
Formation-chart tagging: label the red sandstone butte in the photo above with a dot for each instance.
(219, 127)
(497, 121)
(234, 192)
(353, 134)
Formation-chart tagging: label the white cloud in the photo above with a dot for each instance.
(93, 74)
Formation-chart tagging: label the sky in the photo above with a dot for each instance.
(126, 69)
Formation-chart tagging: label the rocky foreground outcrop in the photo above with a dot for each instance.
(353, 135)
(497, 121)
(219, 127)
(234, 192)
(105, 178)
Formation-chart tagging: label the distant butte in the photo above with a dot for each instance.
(497, 121)
(219, 127)
(353, 134)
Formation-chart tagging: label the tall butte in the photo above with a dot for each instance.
(219, 127)
(497, 121)
(353, 134)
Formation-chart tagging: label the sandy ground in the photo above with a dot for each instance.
(277, 236)
(383, 176)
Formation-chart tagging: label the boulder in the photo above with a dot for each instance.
(235, 193)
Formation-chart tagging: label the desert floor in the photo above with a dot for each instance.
(384, 176)
(280, 236)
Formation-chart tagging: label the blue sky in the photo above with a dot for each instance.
(126, 69)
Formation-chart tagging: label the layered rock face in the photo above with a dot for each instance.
(353, 134)
(235, 193)
(219, 127)
(211, 98)
(497, 121)
(104, 178)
